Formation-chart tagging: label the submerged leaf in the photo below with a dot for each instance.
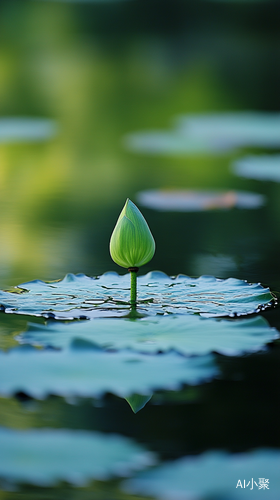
(212, 475)
(79, 296)
(90, 373)
(47, 456)
(187, 334)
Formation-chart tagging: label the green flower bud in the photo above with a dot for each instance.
(132, 243)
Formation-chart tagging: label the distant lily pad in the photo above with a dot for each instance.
(263, 167)
(79, 296)
(89, 373)
(171, 143)
(187, 334)
(24, 129)
(47, 456)
(183, 200)
(212, 133)
(236, 128)
(212, 475)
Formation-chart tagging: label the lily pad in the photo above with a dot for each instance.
(236, 129)
(184, 200)
(79, 296)
(214, 133)
(24, 129)
(171, 143)
(47, 456)
(187, 334)
(212, 475)
(89, 373)
(263, 167)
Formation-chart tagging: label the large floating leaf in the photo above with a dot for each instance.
(263, 167)
(46, 456)
(89, 373)
(79, 296)
(188, 334)
(181, 200)
(214, 475)
(23, 129)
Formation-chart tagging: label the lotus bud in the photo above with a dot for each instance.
(132, 244)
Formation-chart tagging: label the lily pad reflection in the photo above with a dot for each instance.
(86, 372)
(24, 129)
(212, 475)
(264, 167)
(189, 334)
(79, 296)
(47, 456)
(183, 200)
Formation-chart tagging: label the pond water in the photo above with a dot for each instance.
(176, 106)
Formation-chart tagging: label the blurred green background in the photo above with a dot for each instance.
(101, 70)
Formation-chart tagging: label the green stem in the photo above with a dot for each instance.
(133, 287)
